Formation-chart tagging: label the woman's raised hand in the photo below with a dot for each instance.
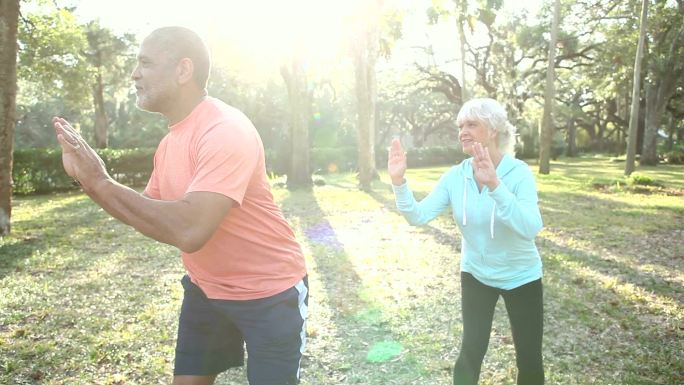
(396, 162)
(483, 167)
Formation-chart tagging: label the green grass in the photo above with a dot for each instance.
(86, 300)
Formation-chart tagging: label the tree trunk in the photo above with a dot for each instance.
(634, 112)
(366, 54)
(572, 138)
(100, 113)
(572, 128)
(299, 170)
(547, 119)
(9, 17)
(658, 94)
(462, 9)
(670, 133)
(601, 124)
(654, 110)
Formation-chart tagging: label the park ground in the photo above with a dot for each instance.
(86, 300)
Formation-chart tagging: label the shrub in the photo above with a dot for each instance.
(641, 180)
(675, 155)
(432, 156)
(333, 159)
(39, 170)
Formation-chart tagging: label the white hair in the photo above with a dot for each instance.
(494, 116)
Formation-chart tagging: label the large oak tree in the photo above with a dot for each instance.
(9, 16)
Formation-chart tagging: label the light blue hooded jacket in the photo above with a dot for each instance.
(497, 227)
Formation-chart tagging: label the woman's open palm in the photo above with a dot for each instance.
(396, 162)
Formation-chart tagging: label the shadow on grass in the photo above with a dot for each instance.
(75, 286)
(37, 233)
(603, 224)
(594, 322)
(14, 253)
(605, 311)
(619, 271)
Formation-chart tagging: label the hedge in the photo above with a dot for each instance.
(345, 158)
(39, 170)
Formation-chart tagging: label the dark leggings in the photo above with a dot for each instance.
(525, 312)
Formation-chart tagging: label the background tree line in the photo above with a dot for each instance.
(82, 70)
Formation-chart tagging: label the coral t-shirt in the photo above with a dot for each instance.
(253, 253)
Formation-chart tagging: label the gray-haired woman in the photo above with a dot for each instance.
(493, 198)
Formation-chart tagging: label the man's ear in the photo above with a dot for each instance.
(184, 70)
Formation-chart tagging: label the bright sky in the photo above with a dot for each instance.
(262, 32)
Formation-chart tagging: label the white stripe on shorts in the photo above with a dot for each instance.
(304, 312)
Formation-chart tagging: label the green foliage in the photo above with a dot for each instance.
(132, 127)
(332, 159)
(60, 63)
(40, 170)
(429, 156)
(641, 180)
(675, 155)
(51, 43)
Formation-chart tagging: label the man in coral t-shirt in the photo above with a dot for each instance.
(246, 282)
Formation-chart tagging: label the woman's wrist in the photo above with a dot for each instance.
(398, 181)
(493, 185)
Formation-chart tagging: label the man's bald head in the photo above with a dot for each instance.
(179, 43)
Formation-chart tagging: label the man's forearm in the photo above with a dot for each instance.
(156, 219)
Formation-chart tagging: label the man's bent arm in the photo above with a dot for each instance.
(187, 223)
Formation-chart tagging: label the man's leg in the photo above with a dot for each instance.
(274, 332)
(477, 302)
(526, 313)
(208, 342)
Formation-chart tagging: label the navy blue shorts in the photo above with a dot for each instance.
(212, 335)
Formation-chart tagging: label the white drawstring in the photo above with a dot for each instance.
(465, 199)
(491, 221)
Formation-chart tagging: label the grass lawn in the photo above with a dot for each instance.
(86, 300)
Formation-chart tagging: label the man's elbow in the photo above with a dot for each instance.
(191, 243)
(190, 247)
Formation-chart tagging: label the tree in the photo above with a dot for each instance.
(110, 60)
(417, 104)
(374, 31)
(299, 171)
(52, 74)
(463, 18)
(634, 113)
(462, 7)
(366, 51)
(9, 20)
(664, 69)
(549, 94)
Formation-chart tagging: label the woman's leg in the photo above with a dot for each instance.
(477, 302)
(526, 313)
